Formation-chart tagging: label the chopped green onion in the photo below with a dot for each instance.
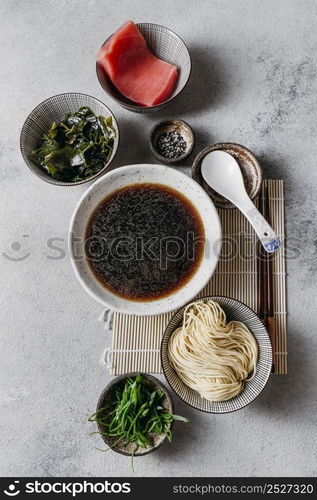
(135, 414)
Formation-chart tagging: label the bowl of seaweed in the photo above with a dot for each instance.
(135, 414)
(69, 139)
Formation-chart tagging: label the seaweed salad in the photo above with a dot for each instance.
(77, 147)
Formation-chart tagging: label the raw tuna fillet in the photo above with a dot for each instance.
(134, 70)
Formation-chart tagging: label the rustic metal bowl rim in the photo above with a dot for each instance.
(229, 145)
(161, 124)
(120, 378)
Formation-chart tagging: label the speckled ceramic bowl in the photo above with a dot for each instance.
(250, 168)
(136, 174)
(52, 110)
(153, 384)
(166, 126)
(166, 45)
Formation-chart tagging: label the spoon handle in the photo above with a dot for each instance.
(265, 232)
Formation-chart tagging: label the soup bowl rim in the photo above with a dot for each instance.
(193, 285)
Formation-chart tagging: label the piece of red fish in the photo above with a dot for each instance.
(137, 73)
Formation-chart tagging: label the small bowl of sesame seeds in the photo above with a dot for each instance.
(171, 141)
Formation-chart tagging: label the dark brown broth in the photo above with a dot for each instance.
(144, 241)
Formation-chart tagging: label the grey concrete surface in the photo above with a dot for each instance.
(254, 82)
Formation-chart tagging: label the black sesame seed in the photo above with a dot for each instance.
(171, 145)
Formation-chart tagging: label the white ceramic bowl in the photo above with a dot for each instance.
(134, 174)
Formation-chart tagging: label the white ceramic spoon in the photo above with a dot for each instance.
(221, 171)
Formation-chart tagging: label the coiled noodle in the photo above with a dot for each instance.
(211, 356)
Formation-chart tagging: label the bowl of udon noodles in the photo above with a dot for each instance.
(216, 354)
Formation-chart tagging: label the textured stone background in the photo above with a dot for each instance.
(254, 82)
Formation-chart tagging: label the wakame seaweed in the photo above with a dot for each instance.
(77, 147)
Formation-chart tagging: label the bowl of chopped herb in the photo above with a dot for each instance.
(135, 414)
(69, 139)
(171, 141)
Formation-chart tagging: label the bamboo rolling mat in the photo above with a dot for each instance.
(136, 340)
